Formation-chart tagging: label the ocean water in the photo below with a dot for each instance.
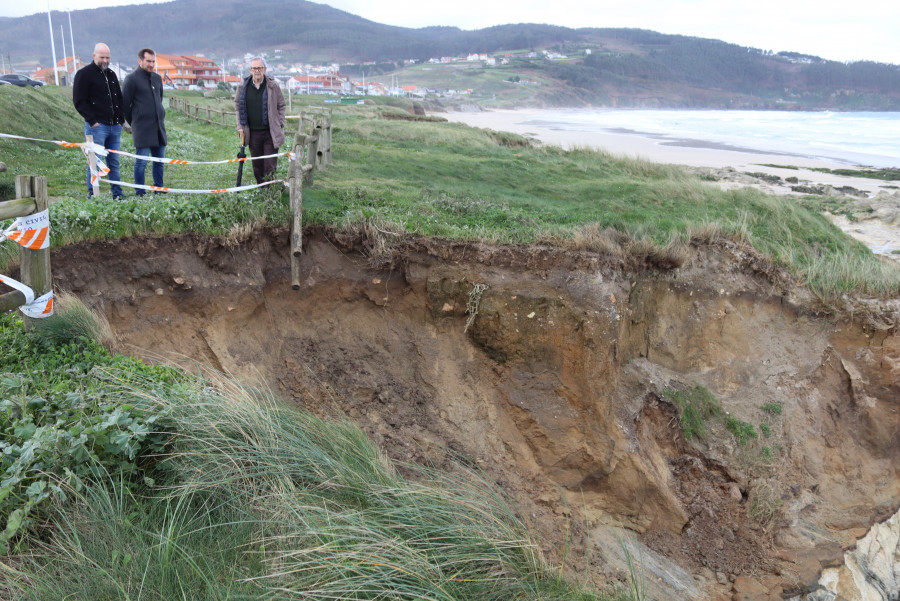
(854, 138)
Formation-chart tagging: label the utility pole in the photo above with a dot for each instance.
(72, 41)
(52, 43)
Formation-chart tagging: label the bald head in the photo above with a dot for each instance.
(101, 55)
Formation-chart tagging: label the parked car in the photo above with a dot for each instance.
(20, 80)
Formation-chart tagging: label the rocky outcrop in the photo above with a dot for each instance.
(871, 570)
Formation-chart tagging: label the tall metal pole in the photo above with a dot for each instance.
(72, 41)
(52, 43)
(62, 35)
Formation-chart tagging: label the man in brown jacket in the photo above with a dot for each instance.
(259, 105)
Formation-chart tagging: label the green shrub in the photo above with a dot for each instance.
(741, 430)
(772, 408)
(63, 420)
(695, 406)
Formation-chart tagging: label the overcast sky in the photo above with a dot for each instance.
(843, 31)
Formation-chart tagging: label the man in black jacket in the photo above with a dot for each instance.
(142, 91)
(98, 98)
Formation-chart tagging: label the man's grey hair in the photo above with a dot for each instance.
(259, 58)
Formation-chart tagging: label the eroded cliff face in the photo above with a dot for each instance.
(554, 372)
(870, 572)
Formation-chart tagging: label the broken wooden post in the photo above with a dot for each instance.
(295, 186)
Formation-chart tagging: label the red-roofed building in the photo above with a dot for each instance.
(331, 83)
(66, 67)
(205, 69)
(184, 70)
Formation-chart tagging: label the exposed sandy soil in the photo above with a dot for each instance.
(557, 388)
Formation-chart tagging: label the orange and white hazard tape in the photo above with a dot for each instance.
(186, 191)
(31, 232)
(101, 151)
(102, 170)
(34, 307)
(99, 172)
(58, 142)
(184, 162)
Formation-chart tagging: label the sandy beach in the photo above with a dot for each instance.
(881, 235)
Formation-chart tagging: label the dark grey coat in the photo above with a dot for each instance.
(144, 109)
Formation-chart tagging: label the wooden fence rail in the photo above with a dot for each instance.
(34, 265)
(202, 113)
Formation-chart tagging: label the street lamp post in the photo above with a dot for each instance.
(62, 35)
(52, 43)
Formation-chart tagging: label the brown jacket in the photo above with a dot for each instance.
(275, 104)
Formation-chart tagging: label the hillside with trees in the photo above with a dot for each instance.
(610, 67)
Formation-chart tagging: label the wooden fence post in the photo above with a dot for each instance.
(311, 156)
(328, 159)
(295, 186)
(318, 132)
(34, 265)
(92, 160)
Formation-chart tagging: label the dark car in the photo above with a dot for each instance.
(20, 80)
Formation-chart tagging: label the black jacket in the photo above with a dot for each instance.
(142, 93)
(97, 95)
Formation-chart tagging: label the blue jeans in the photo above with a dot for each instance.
(140, 166)
(107, 136)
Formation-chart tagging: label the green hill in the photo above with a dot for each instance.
(609, 67)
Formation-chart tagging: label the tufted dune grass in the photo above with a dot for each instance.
(252, 500)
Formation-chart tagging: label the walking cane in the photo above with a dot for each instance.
(241, 155)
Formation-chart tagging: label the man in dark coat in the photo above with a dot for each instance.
(259, 105)
(98, 98)
(143, 93)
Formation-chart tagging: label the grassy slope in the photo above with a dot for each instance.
(441, 179)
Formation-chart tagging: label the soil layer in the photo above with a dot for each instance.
(554, 372)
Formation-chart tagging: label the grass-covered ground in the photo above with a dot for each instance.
(438, 179)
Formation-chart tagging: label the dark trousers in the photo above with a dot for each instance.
(260, 144)
(140, 166)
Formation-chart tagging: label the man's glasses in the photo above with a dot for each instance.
(257, 68)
